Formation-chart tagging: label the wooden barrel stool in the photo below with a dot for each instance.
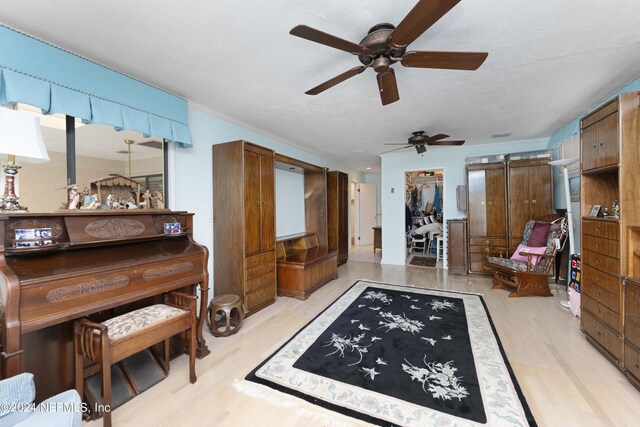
(226, 313)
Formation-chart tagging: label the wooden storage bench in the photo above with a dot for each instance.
(303, 266)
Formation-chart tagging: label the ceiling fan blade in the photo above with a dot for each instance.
(396, 149)
(446, 143)
(418, 20)
(437, 137)
(388, 87)
(337, 79)
(445, 60)
(318, 36)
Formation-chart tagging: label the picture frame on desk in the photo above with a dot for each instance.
(595, 210)
(172, 228)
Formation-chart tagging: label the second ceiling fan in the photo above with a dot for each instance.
(385, 45)
(419, 140)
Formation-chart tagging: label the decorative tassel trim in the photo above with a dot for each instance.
(299, 406)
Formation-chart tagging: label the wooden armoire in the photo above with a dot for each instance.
(610, 246)
(501, 198)
(244, 234)
(486, 214)
(338, 214)
(529, 195)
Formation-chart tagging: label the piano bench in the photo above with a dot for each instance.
(116, 339)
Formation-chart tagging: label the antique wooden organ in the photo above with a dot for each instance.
(62, 266)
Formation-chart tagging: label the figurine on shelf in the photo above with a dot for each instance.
(146, 200)
(89, 200)
(605, 212)
(159, 200)
(131, 204)
(74, 197)
(615, 209)
(108, 202)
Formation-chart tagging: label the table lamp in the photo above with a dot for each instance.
(21, 138)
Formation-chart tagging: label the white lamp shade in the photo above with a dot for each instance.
(564, 162)
(21, 135)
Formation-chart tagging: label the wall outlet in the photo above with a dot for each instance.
(557, 242)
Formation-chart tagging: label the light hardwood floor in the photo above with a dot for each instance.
(565, 380)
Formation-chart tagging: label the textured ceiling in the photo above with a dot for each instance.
(548, 62)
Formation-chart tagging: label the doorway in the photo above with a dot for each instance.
(367, 216)
(424, 208)
(353, 222)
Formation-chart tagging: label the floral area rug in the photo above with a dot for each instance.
(397, 355)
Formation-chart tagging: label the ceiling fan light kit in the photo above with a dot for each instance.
(385, 44)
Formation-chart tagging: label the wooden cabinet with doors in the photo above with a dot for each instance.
(610, 246)
(244, 223)
(599, 138)
(530, 195)
(486, 214)
(457, 252)
(338, 214)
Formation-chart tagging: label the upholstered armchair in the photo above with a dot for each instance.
(17, 394)
(526, 273)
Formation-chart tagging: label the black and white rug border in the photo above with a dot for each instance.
(501, 406)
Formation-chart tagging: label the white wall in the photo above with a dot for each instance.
(190, 185)
(452, 161)
(149, 166)
(289, 203)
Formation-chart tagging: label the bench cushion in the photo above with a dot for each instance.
(136, 320)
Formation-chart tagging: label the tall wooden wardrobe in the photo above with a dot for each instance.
(486, 214)
(529, 195)
(244, 234)
(501, 198)
(610, 246)
(338, 214)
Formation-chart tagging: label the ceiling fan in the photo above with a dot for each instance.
(419, 140)
(385, 45)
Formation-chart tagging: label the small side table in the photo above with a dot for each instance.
(225, 315)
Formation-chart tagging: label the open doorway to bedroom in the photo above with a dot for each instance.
(424, 192)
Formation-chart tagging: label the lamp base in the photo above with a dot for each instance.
(9, 200)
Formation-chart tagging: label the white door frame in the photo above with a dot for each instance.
(445, 261)
(373, 213)
(353, 214)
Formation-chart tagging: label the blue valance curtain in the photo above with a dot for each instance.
(37, 73)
